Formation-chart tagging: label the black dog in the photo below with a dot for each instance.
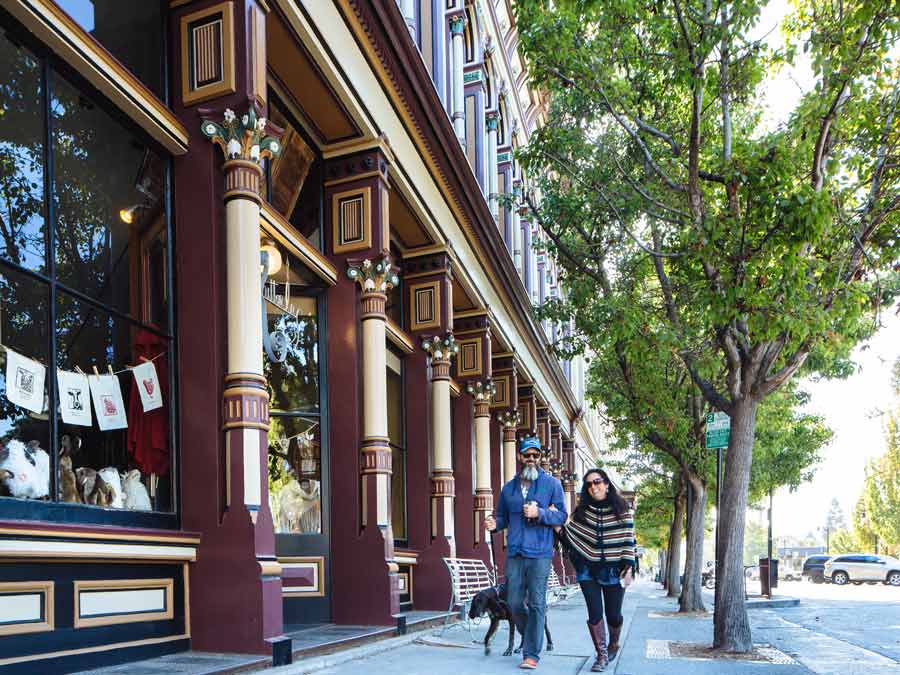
(492, 601)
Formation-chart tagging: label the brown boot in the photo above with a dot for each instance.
(614, 633)
(598, 635)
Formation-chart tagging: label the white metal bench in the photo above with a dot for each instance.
(467, 577)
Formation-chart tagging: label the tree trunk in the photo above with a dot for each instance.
(732, 628)
(663, 568)
(673, 585)
(691, 599)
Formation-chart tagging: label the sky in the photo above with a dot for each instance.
(847, 405)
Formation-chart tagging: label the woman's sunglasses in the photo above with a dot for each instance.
(596, 481)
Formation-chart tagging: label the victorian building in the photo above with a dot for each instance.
(302, 213)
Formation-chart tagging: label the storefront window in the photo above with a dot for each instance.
(84, 299)
(133, 32)
(397, 439)
(291, 365)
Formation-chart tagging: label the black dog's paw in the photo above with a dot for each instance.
(508, 652)
(487, 651)
(549, 646)
(517, 650)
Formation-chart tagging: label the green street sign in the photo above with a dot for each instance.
(718, 430)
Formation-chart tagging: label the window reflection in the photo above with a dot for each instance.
(295, 474)
(21, 158)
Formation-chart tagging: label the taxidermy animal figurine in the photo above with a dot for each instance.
(136, 496)
(102, 493)
(67, 484)
(30, 469)
(112, 478)
(69, 445)
(85, 477)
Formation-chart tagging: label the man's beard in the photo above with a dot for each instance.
(529, 472)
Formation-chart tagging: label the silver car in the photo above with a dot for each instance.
(861, 567)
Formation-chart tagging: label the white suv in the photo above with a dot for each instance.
(860, 567)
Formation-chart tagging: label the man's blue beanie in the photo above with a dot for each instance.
(529, 443)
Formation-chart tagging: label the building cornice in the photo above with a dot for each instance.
(382, 32)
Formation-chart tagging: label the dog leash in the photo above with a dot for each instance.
(491, 549)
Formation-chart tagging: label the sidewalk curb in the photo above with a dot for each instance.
(773, 603)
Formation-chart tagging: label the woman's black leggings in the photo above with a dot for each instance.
(599, 597)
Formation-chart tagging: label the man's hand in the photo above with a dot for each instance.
(490, 523)
(531, 511)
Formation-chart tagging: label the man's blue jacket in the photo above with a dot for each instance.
(531, 541)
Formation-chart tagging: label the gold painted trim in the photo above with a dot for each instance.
(293, 592)
(227, 84)
(426, 250)
(95, 553)
(253, 391)
(470, 313)
(90, 650)
(178, 3)
(30, 588)
(168, 585)
(99, 536)
(80, 50)
(275, 225)
(367, 217)
(353, 178)
(398, 337)
(269, 568)
(245, 425)
(186, 582)
(230, 377)
(358, 145)
(419, 275)
(415, 324)
(479, 359)
(455, 389)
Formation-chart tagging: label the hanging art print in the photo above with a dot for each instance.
(108, 402)
(24, 381)
(148, 385)
(74, 398)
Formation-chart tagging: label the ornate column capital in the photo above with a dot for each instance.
(375, 279)
(457, 24)
(244, 143)
(482, 390)
(440, 351)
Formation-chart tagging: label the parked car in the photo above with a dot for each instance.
(861, 567)
(814, 568)
(789, 574)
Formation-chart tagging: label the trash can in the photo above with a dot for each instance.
(764, 574)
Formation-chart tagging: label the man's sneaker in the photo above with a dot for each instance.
(528, 664)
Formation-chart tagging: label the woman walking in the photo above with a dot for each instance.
(599, 538)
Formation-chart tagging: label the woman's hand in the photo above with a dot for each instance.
(556, 528)
(628, 577)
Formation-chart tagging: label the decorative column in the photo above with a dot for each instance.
(375, 279)
(543, 432)
(569, 477)
(492, 121)
(509, 420)
(518, 239)
(440, 352)
(246, 400)
(457, 26)
(482, 392)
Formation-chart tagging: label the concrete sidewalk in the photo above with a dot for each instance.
(453, 651)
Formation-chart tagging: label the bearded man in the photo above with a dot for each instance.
(530, 506)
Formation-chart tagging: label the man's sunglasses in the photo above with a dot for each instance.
(531, 455)
(596, 481)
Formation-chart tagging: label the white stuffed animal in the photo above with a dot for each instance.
(110, 476)
(25, 469)
(136, 496)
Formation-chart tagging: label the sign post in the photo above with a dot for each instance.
(718, 432)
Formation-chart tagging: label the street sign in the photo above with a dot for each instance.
(718, 430)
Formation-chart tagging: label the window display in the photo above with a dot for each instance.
(84, 299)
(291, 365)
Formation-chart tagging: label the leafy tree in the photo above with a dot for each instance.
(881, 493)
(844, 541)
(835, 520)
(758, 252)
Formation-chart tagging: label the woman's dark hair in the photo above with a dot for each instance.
(618, 504)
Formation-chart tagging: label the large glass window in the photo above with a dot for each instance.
(133, 32)
(291, 365)
(397, 440)
(84, 289)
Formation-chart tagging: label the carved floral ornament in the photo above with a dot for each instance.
(439, 348)
(510, 418)
(243, 138)
(482, 390)
(376, 277)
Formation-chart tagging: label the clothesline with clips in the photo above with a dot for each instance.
(126, 369)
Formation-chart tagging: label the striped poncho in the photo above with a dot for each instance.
(596, 535)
